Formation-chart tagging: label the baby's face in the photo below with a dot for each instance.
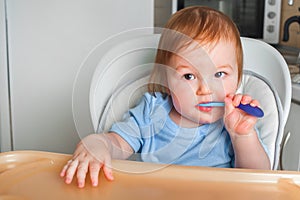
(201, 76)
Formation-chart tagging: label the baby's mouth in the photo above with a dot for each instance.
(211, 104)
(204, 108)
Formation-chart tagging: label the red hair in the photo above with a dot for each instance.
(202, 24)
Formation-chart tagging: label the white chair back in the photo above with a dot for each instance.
(122, 74)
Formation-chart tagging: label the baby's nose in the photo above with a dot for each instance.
(203, 89)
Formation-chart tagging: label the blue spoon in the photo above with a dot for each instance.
(254, 111)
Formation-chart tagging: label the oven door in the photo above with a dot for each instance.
(247, 14)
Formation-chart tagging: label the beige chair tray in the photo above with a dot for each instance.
(35, 175)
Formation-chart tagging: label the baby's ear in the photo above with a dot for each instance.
(167, 91)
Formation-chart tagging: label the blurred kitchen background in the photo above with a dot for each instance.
(44, 42)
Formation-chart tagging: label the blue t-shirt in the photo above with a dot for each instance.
(151, 132)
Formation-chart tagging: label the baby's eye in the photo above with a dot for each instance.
(189, 76)
(220, 74)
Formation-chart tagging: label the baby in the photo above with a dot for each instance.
(199, 60)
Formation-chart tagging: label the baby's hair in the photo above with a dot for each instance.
(202, 24)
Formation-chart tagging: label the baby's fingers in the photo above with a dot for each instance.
(236, 100)
(94, 172)
(254, 103)
(69, 170)
(64, 170)
(107, 169)
(81, 173)
(228, 106)
(95, 167)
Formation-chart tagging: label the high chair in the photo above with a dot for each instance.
(122, 72)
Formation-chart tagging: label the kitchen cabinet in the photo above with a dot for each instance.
(46, 41)
(288, 11)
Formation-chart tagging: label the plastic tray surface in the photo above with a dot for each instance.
(35, 175)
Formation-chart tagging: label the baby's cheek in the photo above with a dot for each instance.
(231, 88)
(218, 114)
(176, 104)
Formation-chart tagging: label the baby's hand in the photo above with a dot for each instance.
(236, 120)
(91, 155)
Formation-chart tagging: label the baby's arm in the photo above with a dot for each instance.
(249, 152)
(93, 153)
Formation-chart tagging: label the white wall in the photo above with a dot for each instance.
(47, 42)
(5, 131)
